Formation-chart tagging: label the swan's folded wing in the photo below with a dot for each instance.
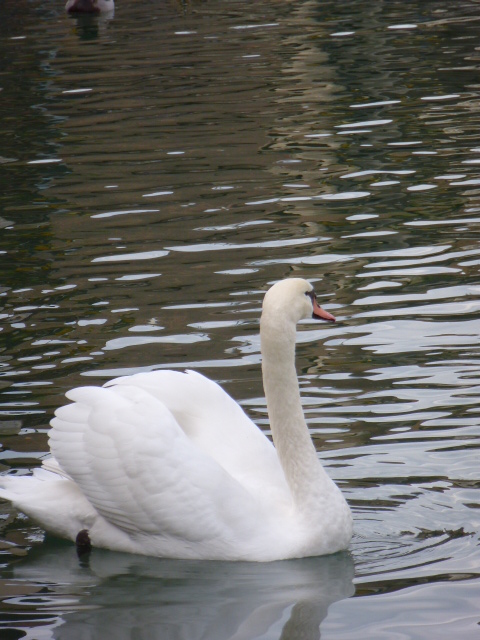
(217, 425)
(140, 471)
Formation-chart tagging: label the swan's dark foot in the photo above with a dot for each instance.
(83, 543)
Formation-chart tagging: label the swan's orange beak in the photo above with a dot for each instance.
(321, 314)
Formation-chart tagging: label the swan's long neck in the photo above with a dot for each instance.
(303, 471)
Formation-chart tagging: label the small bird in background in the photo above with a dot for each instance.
(89, 6)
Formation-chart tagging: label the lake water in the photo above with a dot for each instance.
(158, 169)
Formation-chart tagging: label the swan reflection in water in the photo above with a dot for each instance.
(118, 596)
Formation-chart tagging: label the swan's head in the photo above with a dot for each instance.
(295, 299)
(89, 6)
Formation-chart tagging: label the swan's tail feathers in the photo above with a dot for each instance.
(5, 494)
(50, 498)
(13, 487)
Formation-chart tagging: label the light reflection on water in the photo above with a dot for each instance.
(163, 166)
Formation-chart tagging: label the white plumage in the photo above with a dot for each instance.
(168, 464)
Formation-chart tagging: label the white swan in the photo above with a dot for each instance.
(167, 464)
(89, 6)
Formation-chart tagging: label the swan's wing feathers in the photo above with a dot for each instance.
(50, 468)
(217, 425)
(140, 471)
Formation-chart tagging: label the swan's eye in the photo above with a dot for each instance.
(311, 295)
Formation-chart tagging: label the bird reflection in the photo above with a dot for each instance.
(118, 596)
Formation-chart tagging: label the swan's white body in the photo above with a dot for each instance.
(167, 464)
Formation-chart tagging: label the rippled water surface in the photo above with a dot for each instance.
(158, 169)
